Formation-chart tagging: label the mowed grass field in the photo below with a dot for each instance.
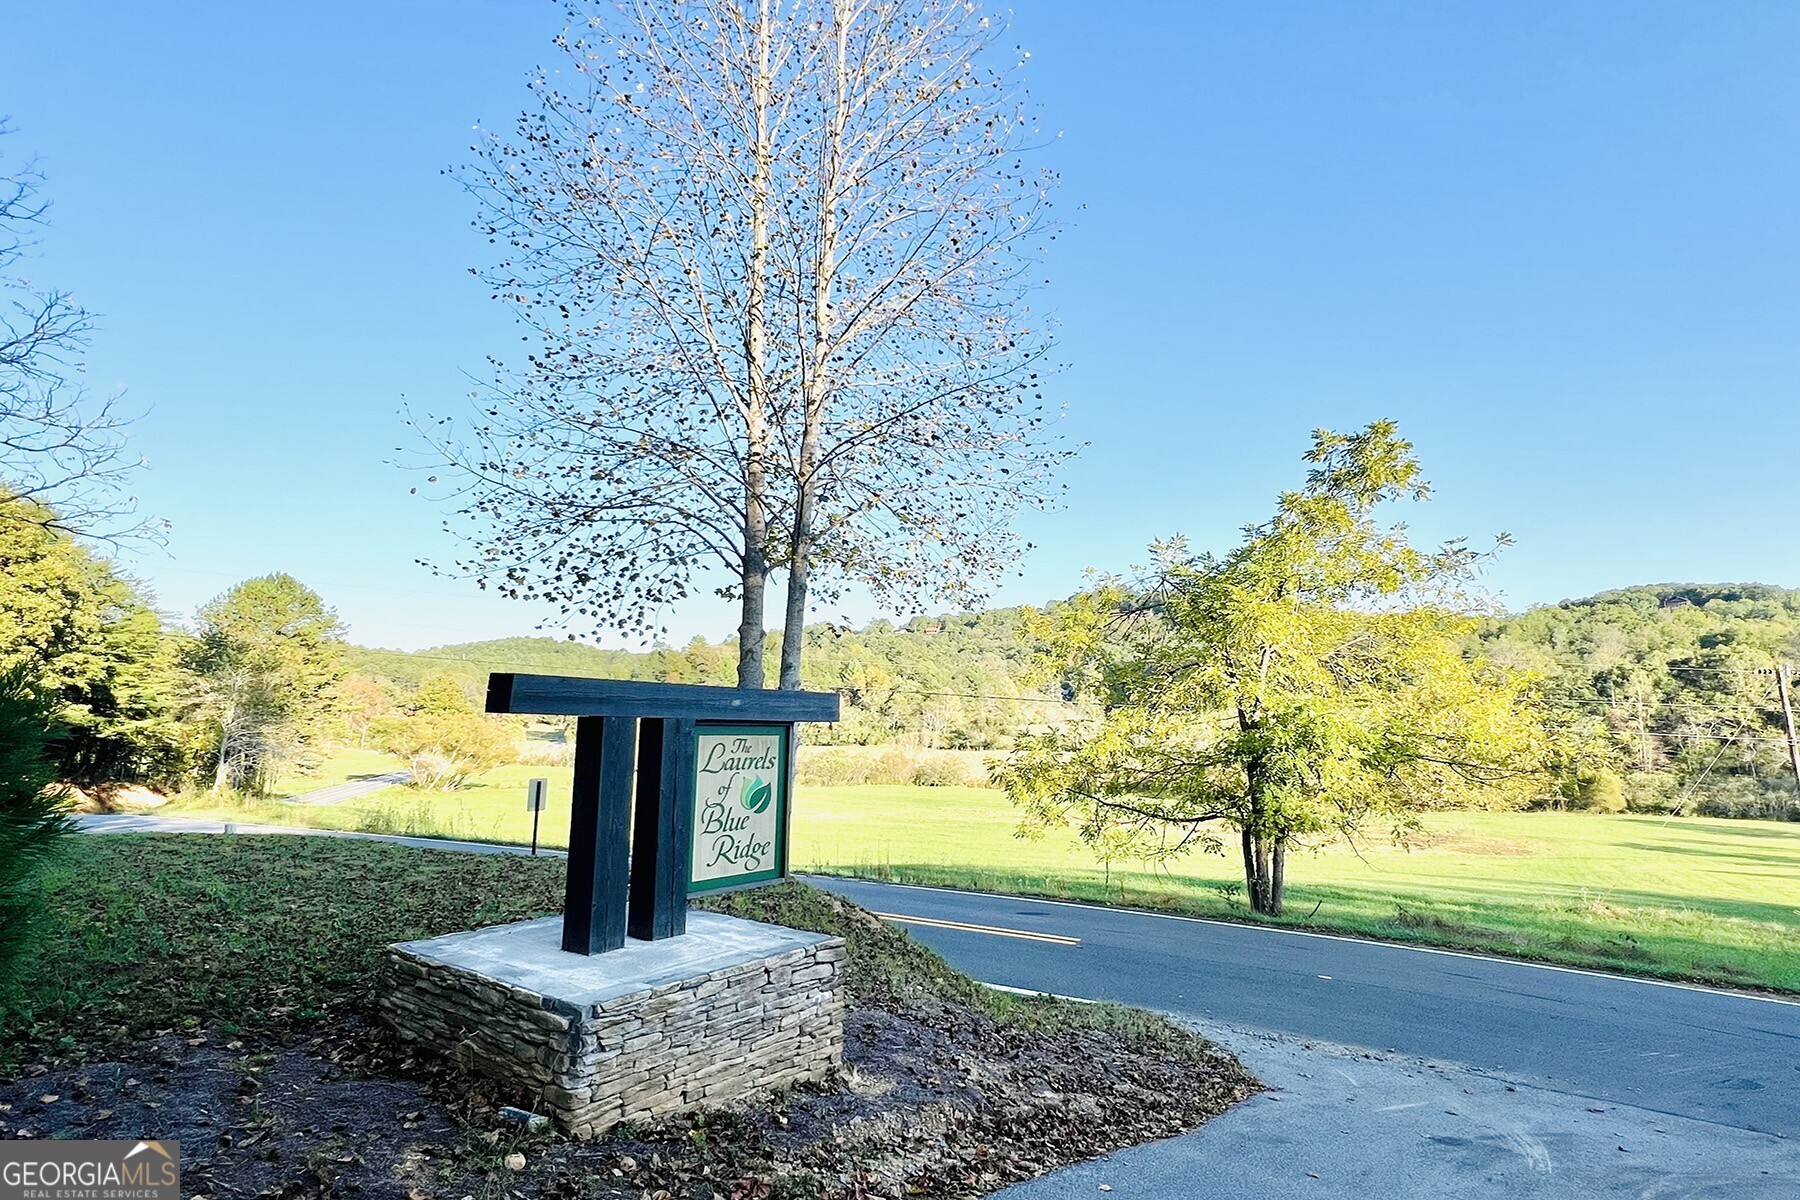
(1711, 900)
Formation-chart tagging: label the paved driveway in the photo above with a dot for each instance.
(1405, 1072)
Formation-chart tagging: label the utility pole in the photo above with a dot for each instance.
(1783, 677)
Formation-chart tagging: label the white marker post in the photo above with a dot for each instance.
(535, 792)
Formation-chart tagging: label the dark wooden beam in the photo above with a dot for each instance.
(599, 825)
(575, 696)
(661, 830)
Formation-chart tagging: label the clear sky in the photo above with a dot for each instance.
(1557, 241)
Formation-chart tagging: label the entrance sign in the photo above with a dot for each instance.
(740, 805)
(678, 788)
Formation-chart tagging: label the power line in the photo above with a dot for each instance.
(1603, 702)
(979, 696)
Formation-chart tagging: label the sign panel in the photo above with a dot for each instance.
(536, 791)
(740, 805)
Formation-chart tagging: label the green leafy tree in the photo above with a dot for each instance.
(265, 660)
(33, 813)
(1306, 684)
(95, 649)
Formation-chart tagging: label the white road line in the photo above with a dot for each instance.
(1019, 991)
(1332, 937)
(996, 930)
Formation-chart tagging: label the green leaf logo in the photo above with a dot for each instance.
(757, 795)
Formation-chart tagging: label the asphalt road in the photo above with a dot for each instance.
(350, 789)
(1708, 1055)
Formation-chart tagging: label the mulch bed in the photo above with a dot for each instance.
(941, 1101)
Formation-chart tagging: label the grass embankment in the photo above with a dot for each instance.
(274, 937)
(1688, 898)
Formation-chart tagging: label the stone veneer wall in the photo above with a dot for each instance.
(719, 1037)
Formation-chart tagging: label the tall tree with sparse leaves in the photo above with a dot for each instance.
(773, 258)
(65, 454)
(1308, 684)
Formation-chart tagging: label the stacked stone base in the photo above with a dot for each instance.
(726, 1012)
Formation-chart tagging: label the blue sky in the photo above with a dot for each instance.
(1558, 242)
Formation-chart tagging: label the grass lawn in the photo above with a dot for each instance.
(1690, 898)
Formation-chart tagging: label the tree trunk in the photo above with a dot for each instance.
(756, 520)
(816, 387)
(1265, 869)
(222, 773)
(1251, 881)
(793, 628)
(755, 584)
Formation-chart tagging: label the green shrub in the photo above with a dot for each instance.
(856, 766)
(1647, 792)
(1766, 807)
(33, 815)
(940, 770)
(1600, 791)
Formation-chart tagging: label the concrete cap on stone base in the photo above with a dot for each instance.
(528, 955)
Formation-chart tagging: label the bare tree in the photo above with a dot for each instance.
(771, 252)
(65, 458)
(921, 428)
(633, 448)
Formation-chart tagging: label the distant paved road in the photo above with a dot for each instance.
(337, 793)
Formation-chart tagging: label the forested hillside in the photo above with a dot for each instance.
(954, 681)
(1678, 680)
(1675, 678)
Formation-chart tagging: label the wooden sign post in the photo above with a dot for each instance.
(536, 791)
(679, 788)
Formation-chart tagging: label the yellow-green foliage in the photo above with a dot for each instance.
(1310, 681)
(443, 738)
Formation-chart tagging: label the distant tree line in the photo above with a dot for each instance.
(954, 681)
(1665, 680)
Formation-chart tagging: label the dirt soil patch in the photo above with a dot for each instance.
(1460, 841)
(941, 1101)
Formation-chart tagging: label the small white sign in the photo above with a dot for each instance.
(536, 792)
